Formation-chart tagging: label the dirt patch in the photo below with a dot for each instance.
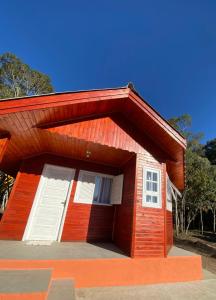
(204, 245)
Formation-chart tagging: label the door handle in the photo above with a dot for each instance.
(64, 202)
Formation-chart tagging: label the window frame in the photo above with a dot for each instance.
(79, 184)
(168, 200)
(151, 193)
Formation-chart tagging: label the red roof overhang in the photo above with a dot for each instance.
(20, 115)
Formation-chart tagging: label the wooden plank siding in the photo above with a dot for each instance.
(124, 213)
(86, 222)
(137, 230)
(169, 231)
(122, 133)
(83, 222)
(22, 119)
(3, 146)
(104, 131)
(149, 231)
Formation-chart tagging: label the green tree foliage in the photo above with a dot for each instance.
(183, 124)
(210, 151)
(17, 79)
(200, 186)
(6, 184)
(200, 189)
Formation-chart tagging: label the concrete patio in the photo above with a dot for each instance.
(55, 251)
(67, 250)
(25, 271)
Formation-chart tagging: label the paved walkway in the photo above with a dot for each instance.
(200, 290)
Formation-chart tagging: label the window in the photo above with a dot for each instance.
(102, 190)
(98, 188)
(151, 188)
(169, 195)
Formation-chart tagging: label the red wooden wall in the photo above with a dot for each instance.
(139, 231)
(150, 228)
(86, 222)
(83, 222)
(105, 131)
(123, 226)
(169, 230)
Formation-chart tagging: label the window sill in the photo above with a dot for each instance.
(92, 203)
(150, 205)
(103, 204)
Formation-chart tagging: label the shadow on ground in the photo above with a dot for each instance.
(197, 244)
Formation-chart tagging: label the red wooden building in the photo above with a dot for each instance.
(90, 166)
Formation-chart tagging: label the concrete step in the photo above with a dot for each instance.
(24, 281)
(27, 284)
(61, 289)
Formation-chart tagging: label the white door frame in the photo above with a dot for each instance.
(36, 202)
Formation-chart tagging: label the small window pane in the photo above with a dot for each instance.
(149, 175)
(148, 198)
(97, 189)
(105, 190)
(154, 199)
(148, 186)
(154, 186)
(155, 176)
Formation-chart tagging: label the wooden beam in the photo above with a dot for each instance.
(3, 145)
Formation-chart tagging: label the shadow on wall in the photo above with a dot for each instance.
(114, 223)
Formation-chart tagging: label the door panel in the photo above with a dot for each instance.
(49, 203)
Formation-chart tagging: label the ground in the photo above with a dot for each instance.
(205, 245)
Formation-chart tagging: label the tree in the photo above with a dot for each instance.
(210, 151)
(17, 79)
(200, 190)
(200, 187)
(6, 184)
(182, 124)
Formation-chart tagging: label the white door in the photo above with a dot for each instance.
(50, 204)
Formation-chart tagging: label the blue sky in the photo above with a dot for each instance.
(166, 48)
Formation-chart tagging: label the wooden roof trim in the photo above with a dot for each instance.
(54, 100)
(67, 92)
(62, 99)
(158, 118)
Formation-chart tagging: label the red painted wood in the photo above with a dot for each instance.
(3, 146)
(21, 118)
(87, 222)
(123, 226)
(169, 231)
(149, 232)
(83, 222)
(115, 126)
(104, 131)
(138, 231)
